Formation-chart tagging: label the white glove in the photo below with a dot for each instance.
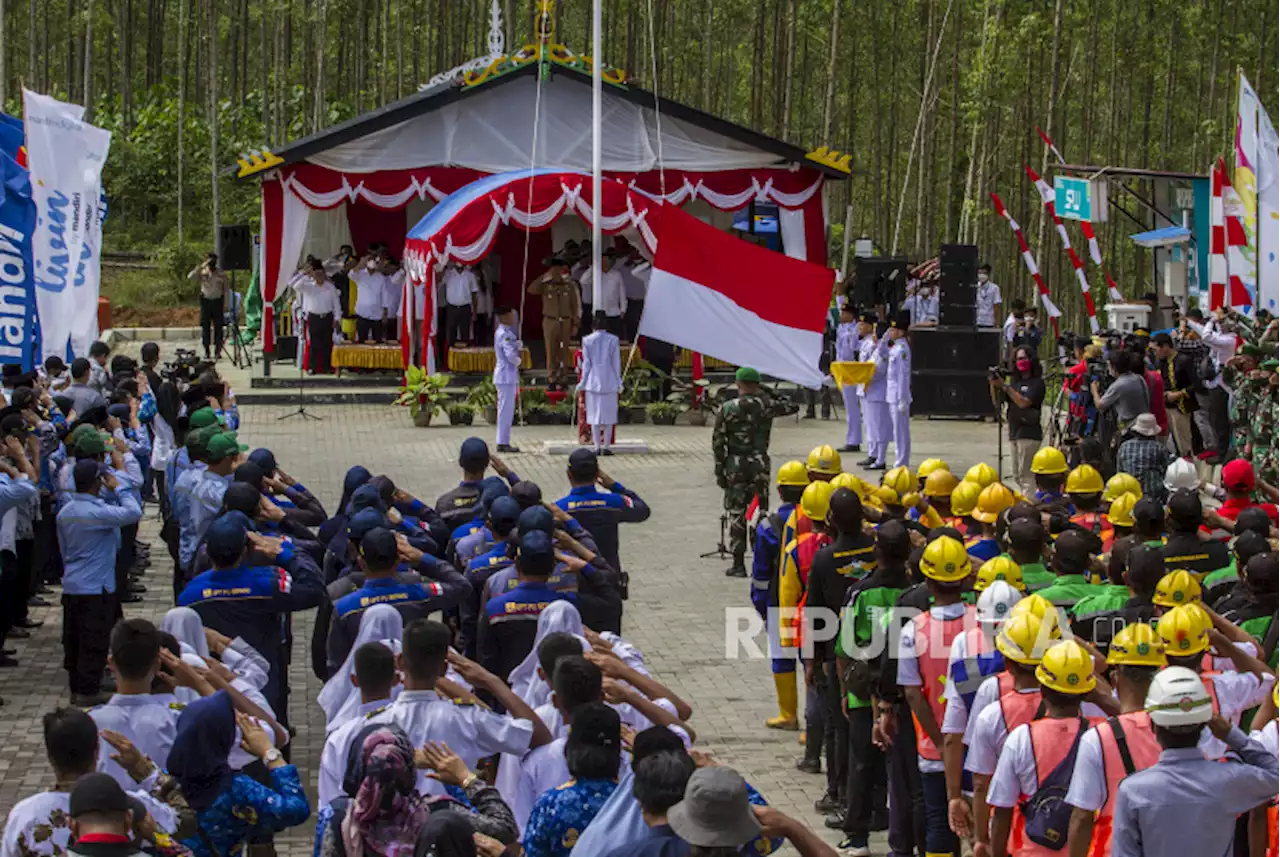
(904, 407)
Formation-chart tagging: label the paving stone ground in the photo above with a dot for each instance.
(676, 614)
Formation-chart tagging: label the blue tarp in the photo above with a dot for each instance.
(1165, 237)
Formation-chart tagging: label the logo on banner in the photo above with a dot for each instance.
(13, 295)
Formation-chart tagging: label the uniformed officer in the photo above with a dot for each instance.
(506, 373)
(458, 506)
(848, 338)
(561, 313)
(601, 509)
(432, 585)
(875, 403)
(740, 446)
(898, 390)
(602, 382)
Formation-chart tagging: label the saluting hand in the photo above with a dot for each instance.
(408, 552)
(474, 674)
(271, 548)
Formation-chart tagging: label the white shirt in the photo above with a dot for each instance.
(636, 277)
(369, 292)
(989, 736)
(601, 363)
(150, 722)
(30, 818)
(613, 293)
(319, 298)
(459, 285)
(1015, 773)
(337, 747)
(909, 664)
(1088, 789)
(1269, 737)
(956, 719)
(987, 298)
(393, 293)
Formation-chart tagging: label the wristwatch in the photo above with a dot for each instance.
(272, 755)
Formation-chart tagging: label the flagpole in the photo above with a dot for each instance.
(597, 92)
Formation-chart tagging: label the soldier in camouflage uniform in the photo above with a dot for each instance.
(740, 445)
(1263, 426)
(1247, 393)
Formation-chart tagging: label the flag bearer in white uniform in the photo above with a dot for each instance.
(848, 337)
(875, 405)
(602, 382)
(898, 388)
(506, 374)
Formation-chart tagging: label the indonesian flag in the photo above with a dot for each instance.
(1233, 216)
(746, 305)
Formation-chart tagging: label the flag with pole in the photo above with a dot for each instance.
(1046, 196)
(1029, 260)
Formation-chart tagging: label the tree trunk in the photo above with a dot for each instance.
(87, 92)
(950, 162)
(182, 100)
(832, 57)
(1054, 82)
(789, 71)
(319, 110)
(213, 113)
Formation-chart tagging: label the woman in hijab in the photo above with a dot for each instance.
(230, 806)
(355, 477)
(559, 616)
(339, 697)
(247, 663)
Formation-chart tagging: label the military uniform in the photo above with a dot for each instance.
(740, 445)
(561, 312)
(1263, 436)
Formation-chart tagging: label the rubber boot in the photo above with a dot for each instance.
(788, 703)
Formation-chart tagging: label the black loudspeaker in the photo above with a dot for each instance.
(958, 315)
(959, 254)
(235, 247)
(879, 280)
(951, 350)
(958, 270)
(951, 394)
(955, 293)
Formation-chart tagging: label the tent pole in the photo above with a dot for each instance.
(597, 92)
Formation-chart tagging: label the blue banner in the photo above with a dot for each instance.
(19, 325)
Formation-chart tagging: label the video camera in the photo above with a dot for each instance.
(183, 366)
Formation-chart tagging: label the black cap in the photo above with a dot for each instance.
(264, 458)
(364, 521)
(474, 454)
(1071, 552)
(869, 318)
(902, 322)
(1147, 511)
(119, 411)
(536, 518)
(537, 553)
(526, 493)
(1195, 314)
(379, 548)
(367, 497)
(226, 536)
(85, 473)
(97, 792)
(505, 512)
(1185, 509)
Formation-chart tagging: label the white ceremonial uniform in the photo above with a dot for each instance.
(37, 826)
(337, 747)
(506, 377)
(370, 288)
(898, 393)
(988, 298)
(613, 294)
(847, 342)
(149, 721)
(875, 407)
(602, 382)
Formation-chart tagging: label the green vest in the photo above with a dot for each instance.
(1036, 577)
(1109, 597)
(1222, 574)
(858, 622)
(1068, 589)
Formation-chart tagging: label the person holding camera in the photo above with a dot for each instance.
(213, 293)
(1126, 397)
(1023, 392)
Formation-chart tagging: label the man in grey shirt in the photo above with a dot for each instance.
(83, 396)
(1128, 395)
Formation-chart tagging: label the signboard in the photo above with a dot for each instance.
(1080, 199)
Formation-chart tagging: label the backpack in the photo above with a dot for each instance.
(1047, 812)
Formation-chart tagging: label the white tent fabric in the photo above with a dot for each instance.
(491, 131)
(327, 230)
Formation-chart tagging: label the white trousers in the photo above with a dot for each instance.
(852, 415)
(879, 429)
(901, 419)
(506, 411)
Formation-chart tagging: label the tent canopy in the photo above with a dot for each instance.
(1166, 237)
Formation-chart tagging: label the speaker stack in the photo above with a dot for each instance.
(234, 247)
(949, 362)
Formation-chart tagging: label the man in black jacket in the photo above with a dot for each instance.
(1183, 547)
(1178, 371)
(600, 511)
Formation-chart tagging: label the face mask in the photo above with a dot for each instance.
(1023, 365)
(1031, 319)
(982, 278)
(372, 266)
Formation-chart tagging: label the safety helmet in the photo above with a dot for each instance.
(940, 483)
(1121, 511)
(1042, 608)
(1181, 475)
(816, 500)
(945, 560)
(1020, 638)
(984, 474)
(1122, 483)
(848, 480)
(997, 569)
(1137, 645)
(1067, 668)
(824, 459)
(1084, 480)
(911, 500)
(1176, 588)
(1048, 461)
(964, 498)
(1178, 697)
(996, 602)
(793, 473)
(1184, 630)
(930, 466)
(886, 496)
(993, 500)
(900, 479)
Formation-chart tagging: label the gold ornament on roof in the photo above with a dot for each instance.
(256, 162)
(831, 158)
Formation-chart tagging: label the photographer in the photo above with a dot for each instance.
(1126, 396)
(1024, 393)
(213, 291)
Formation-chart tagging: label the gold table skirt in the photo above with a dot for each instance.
(352, 356)
(469, 361)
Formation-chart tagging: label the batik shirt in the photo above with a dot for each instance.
(247, 808)
(561, 814)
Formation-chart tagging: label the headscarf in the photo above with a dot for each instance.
(198, 758)
(446, 834)
(339, 698)
(524, 679)
(186, 626)
(355, 477)
(387, 811)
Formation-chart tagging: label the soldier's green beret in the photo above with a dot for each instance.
(747, 375)
(1270, 365)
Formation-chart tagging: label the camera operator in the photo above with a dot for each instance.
(1024, 393)
(1125, 398)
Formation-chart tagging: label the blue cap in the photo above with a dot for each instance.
(536, 518)
(474, 454)
(364, 521)
(264, 458)
(119, 411)
(366, 497)
(491, 488)
(504, 512)
(537, 553)
(225, 538)
(379, 548)
(85, 473)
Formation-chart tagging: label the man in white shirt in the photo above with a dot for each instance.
(392, 297)
(370, 285)
(602, 382)
(460, 289)
(988, 298)
(613, 291)
(635, 274)
(922, 304)
(322, 310)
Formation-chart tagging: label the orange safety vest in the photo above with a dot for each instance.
(1273, 825)
(932, 657)
(1098, 524)
(1017, 708)
(1145, 752)
(806, 550)
(1051, 740)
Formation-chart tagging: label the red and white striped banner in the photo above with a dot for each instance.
(1046, 196)
(1227, 240)
(1030, 261)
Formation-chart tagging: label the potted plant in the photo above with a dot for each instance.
(535, 414)
(695, 397)
(561, 413)
(423, 393)
(663, 413)
(460, 414)
(483, 397)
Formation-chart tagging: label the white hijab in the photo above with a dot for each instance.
(524, 679)
(186, 626)
(339, 698)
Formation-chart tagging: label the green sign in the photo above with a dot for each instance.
(1072, 199)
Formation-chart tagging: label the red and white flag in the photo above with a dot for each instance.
(747, 305)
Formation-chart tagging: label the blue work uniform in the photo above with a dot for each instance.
(509, 624)
(601, 511)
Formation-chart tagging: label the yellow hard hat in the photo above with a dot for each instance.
(816, 500)
(1122, 483)
(1084, 480)
(886, 496)
(1040, 607)
(848, 480)
(993, 500)
(824, 459)
(1176, 588)
(930, 466)
(1067, 668)
(793, 473)
(1121, 511)
(1137, 645)
(964, 497)
(945, 560)
(999, 568)
(1019, 638)
(984, 474)
(1184, 631)
(940, 483)
(1048, 460)
(900, 479)
(911, 499)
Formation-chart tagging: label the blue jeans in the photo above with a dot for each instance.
(938, 838)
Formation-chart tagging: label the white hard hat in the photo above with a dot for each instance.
(1181, 475)
(1177, 697)
(996, 601)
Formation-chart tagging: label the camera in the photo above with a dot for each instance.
(995, 373)
(183, 366)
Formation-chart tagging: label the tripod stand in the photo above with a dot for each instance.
(719, 551)
(302, 382)
(241, 357)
